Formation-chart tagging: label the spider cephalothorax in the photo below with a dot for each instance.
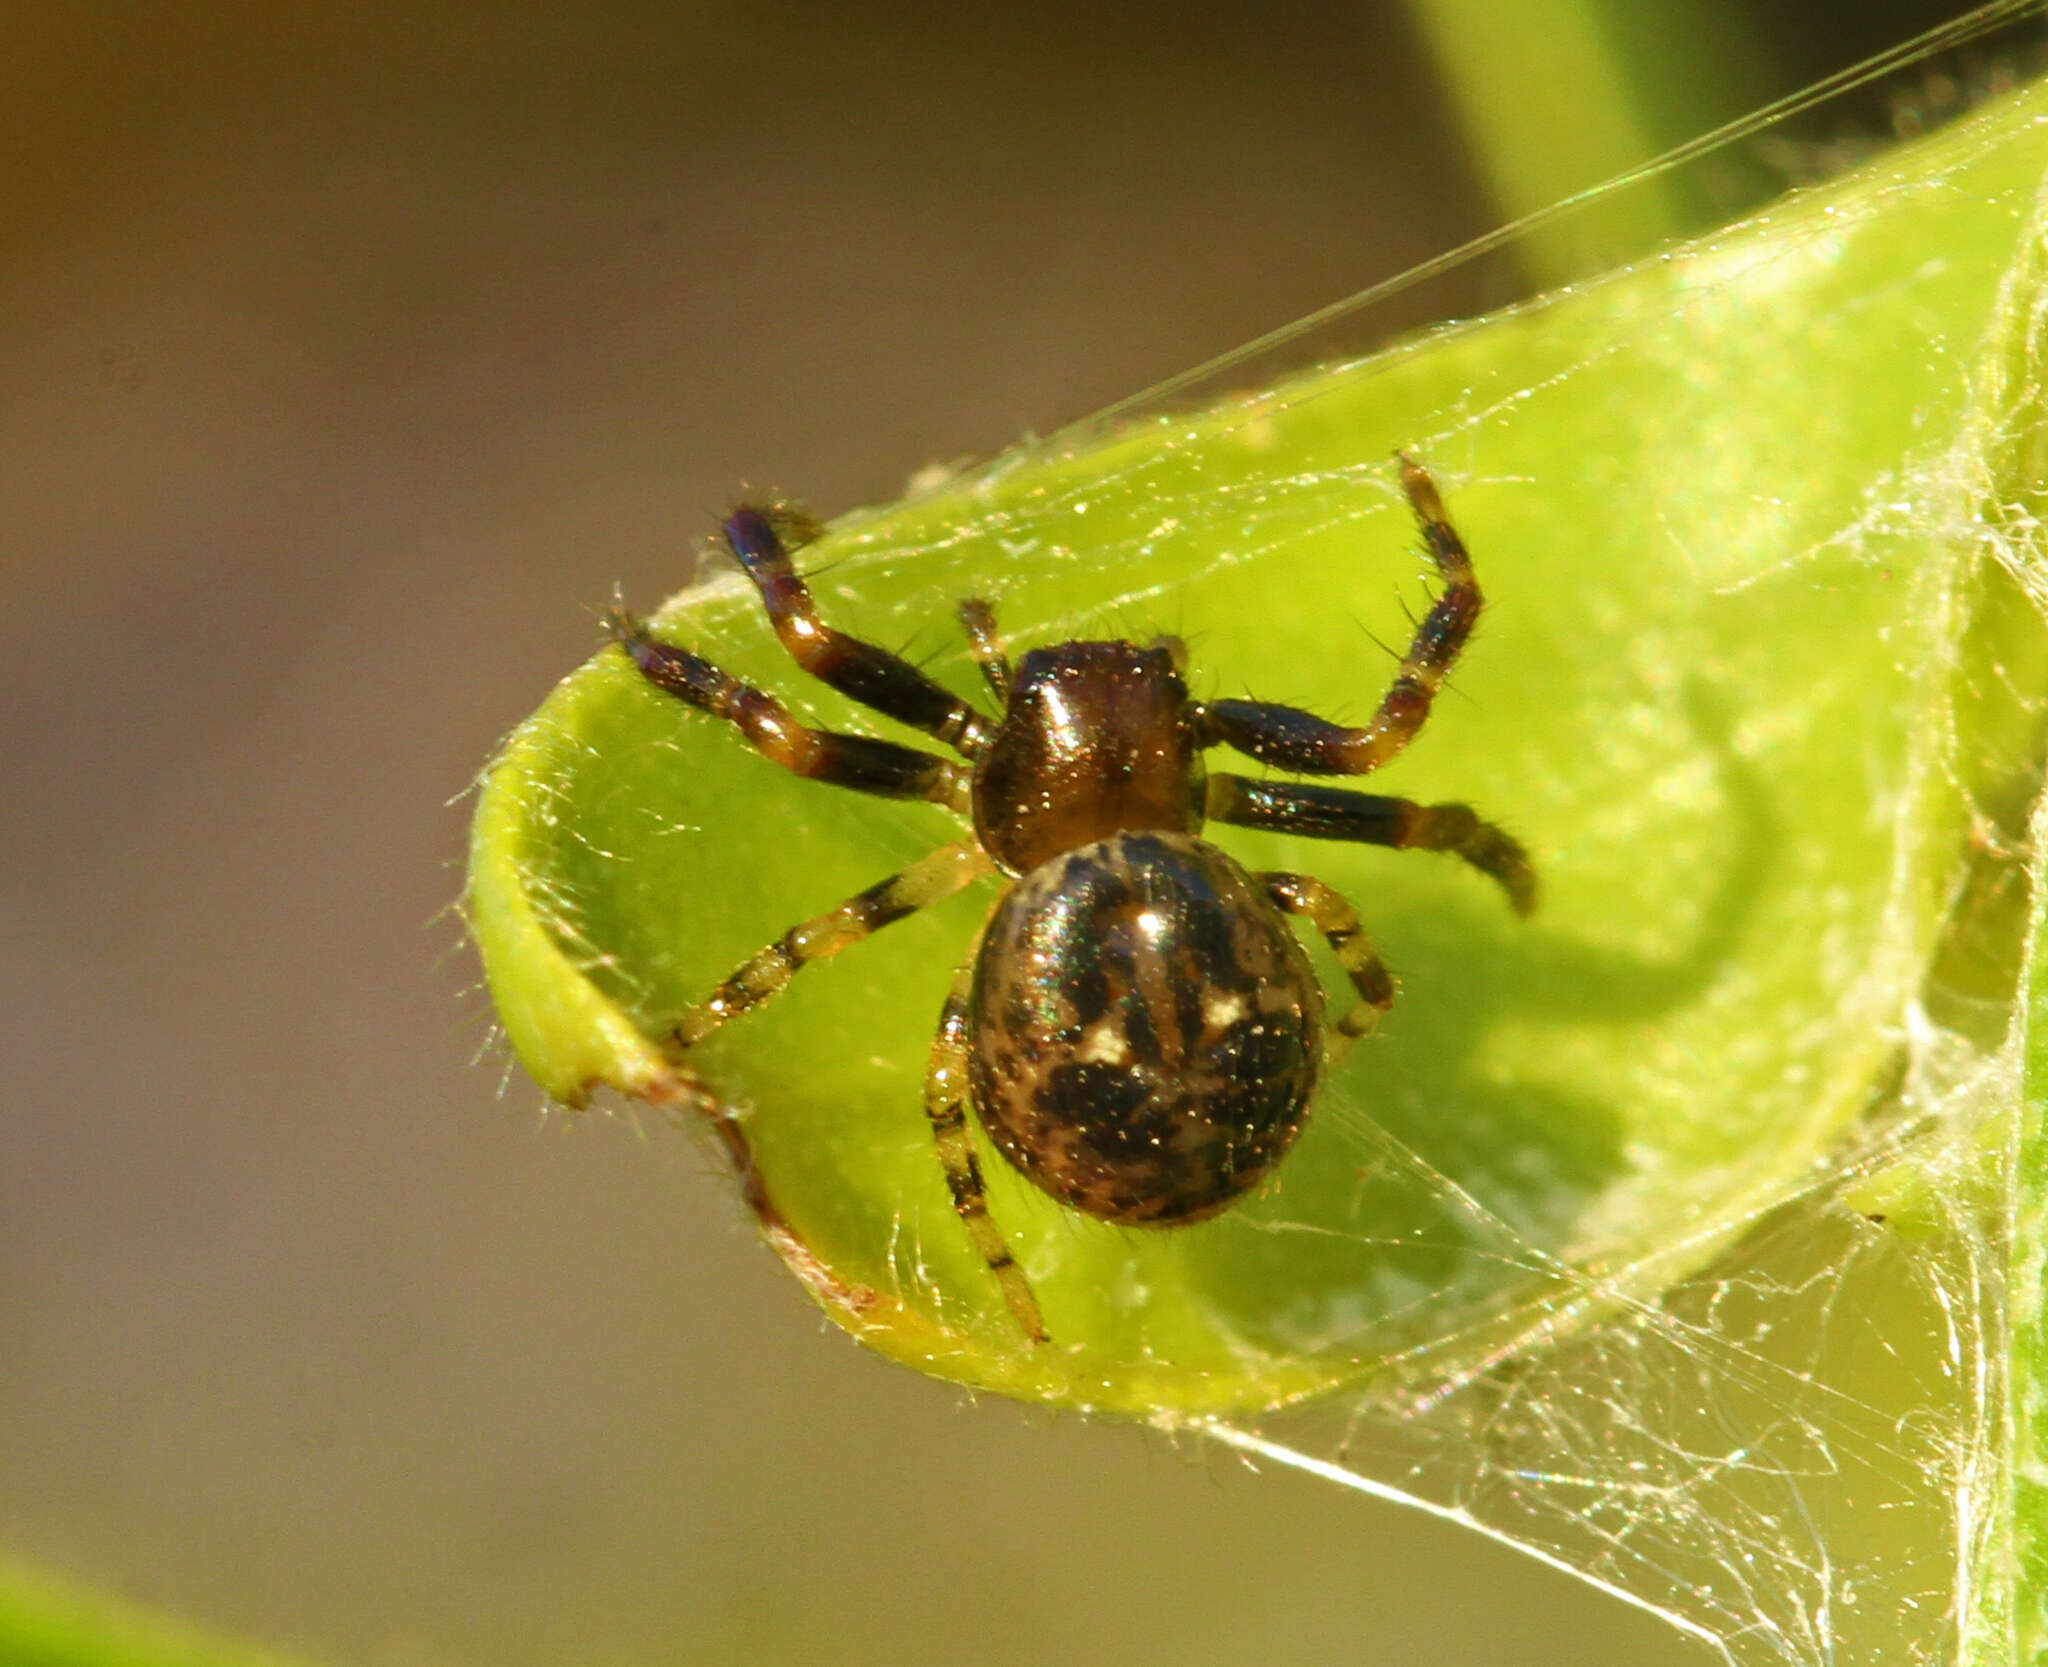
(1138, 1029)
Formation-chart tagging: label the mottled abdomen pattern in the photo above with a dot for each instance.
(1145, 1029)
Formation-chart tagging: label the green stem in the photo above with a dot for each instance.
(1555, 96)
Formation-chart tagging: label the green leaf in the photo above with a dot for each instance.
(1729, 507)
(2016, 1604)
(47, 1621)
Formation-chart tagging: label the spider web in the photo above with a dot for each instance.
(1762, 1390)
(1798, 1450)
(1791, 1456)
(1798, 1453)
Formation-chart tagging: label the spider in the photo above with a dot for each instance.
(1137, 1028)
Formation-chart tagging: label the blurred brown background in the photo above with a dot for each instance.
(348, 355)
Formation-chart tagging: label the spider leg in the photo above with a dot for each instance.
(930, 880)
(1291, 739)
(945, 1103)
(1328, 912)
(857, 761)
(1176, 648)
(985, 642)
(1371, 819)
(681, 1092)
(871, 675)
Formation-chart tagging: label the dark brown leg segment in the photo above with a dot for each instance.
(1338, 922)
(1371, 819)
(978, 620)
(871, 675)
(945, 1103)
(1290, 739)
(923, 883)
(857, 761)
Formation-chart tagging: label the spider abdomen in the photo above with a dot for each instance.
(1144, 1029)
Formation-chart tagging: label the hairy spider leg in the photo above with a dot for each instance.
(929, 880)
(1291, 739)
(1372, 819)
(870, 674)
(680, 1091)
(857, 761)
(1176, 650)
(1337, 920)
(985, 643)
(945, 1103)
